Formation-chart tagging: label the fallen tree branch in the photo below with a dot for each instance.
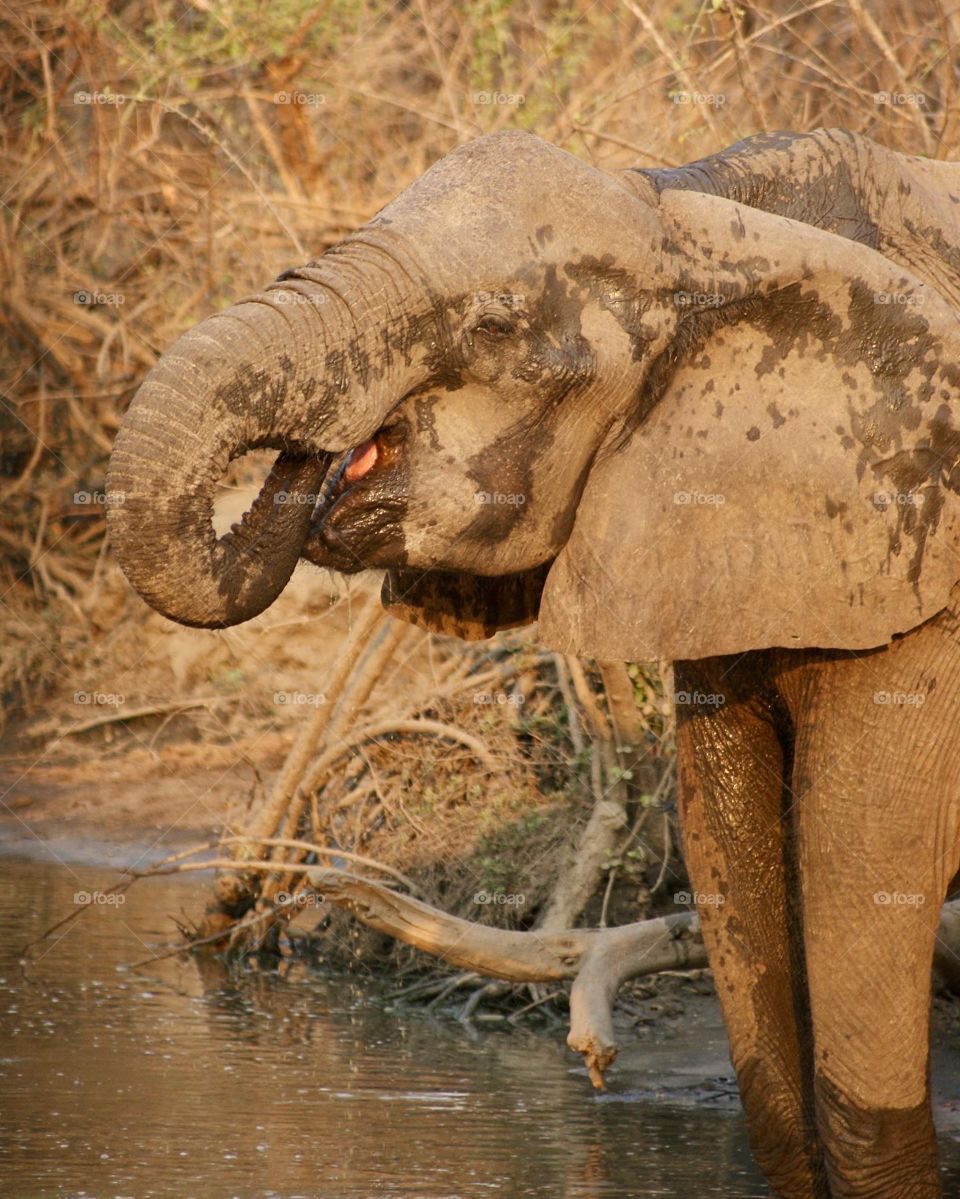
(598, 961)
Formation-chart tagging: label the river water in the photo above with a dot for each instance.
(179, 1081)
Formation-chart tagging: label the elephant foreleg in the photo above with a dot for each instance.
(732, 758)
(877, 783)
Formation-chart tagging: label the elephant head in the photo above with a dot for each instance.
(665, 422)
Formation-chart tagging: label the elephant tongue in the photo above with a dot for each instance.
(361, 461)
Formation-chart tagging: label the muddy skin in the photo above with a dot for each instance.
(812, 1140)
(893, 415)
(528, 345)
(268, 534)
(463, 605)
(874, 1153)
(787, 1151)
(832, 199)
(735, 742)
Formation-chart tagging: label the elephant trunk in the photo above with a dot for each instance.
(288, 370)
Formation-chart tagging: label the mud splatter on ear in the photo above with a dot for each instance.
(463, 605)
(794, 479)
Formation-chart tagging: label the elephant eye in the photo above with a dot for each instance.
(494, 324)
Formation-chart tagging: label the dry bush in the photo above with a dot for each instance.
(476, 771)
(496, 847)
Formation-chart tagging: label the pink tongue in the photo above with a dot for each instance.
(361, 461)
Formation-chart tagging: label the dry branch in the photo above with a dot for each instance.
(598, 961)
(234, 889)
(365, 676)
(272, 815)
(595, 846)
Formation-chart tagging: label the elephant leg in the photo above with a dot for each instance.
(732, 758)
(876, 782)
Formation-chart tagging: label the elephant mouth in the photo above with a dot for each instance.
(363, 467)
(356, 524)
(361, 460)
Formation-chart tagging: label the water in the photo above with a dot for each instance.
(181, 1082)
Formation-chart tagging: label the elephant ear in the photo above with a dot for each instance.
(462, 605)
(790, 475)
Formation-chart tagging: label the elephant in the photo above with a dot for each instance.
(706, 414)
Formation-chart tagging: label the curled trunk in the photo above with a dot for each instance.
(289, 370)
(212, 397)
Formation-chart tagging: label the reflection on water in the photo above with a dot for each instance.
(179, 1081)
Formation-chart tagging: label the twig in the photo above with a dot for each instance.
(176, 705)
(665, 863)
(548, 998)
(310, 847)
(192, 943)
(573, 720)
(453, 984)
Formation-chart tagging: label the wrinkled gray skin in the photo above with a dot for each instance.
(705, 414)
